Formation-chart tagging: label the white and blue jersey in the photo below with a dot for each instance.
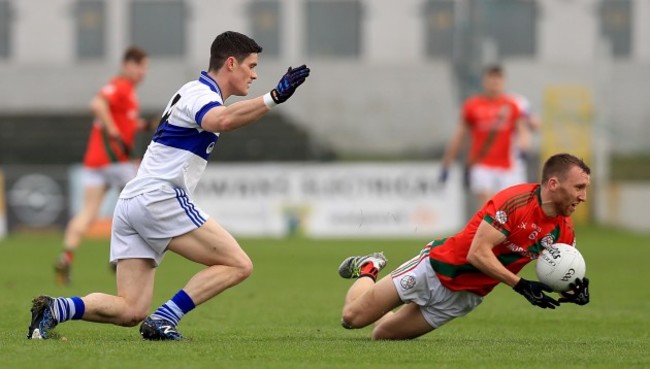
(179, 150)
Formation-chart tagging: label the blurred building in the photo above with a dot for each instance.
(388, 76)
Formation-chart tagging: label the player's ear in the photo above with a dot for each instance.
(231, 63)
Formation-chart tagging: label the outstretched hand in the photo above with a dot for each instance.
(578, 292)
(289, 83)
(534, 292)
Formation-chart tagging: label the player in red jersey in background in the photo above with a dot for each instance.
(107, 161)
(450, 276)
(491, 120)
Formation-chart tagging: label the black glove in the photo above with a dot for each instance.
(534, 292)
(523, 155)
(578, 292)
(288, 83)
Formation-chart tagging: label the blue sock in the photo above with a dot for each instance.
(68, 308)
(174, 309)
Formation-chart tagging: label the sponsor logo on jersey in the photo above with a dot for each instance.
(519, 250)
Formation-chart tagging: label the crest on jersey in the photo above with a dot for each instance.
(547, 241)
(407, 282)
(501, 217)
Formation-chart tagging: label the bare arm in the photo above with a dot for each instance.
(227, 118)
(99, 107)
(523, 134)
(455, 143)
(482, 257)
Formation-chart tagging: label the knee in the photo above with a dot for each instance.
(380, 333)
(244, 269)
(133, 317)
(352, 319)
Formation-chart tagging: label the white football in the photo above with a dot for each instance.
(559, 265)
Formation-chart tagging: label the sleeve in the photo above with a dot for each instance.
(112, 92)
(502, 211)
(202, 104)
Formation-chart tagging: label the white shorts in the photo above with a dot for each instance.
(491, 180)
(416, 282)
(112, 175)
(144, 225)
(520, 170)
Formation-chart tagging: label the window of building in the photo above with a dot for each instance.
(616, 26)
(90, 29)
(265, 21)
(5, 29)
(512, 25)
(159, 27)
(439, 28)
(333, 28)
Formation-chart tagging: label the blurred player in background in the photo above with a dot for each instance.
(450, 276)
(155, 211)
(491, 120)
(107, 161)
(532, 124)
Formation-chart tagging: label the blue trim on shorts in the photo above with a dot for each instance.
(189, 208)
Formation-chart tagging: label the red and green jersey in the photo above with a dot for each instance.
(491, 122)
(123, 106)
(517, 213)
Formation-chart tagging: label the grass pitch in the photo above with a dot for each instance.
(287, 314)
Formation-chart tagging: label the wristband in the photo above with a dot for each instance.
(268, 101)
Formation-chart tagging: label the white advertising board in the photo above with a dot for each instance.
(332, 200)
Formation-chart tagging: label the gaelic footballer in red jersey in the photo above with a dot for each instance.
(107, 161)
(491, 119)
(451, 276)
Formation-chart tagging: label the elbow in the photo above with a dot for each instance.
(473, 258)
(94, 105)
(222, 124)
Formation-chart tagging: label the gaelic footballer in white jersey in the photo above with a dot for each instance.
(179, 150)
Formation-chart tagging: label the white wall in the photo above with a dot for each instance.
(391, 100)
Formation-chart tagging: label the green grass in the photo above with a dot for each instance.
(287, 314)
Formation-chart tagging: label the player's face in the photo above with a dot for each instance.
(243, 75)
(571, 191)
(493, 84)
(136, 71)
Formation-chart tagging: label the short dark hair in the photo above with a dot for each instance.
(135, 54)
(559, 165)
(493, 70)
(233, 44)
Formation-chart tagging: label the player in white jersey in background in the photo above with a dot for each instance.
(532, 124)
(155, 212)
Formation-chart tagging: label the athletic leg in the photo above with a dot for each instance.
(211, 245)
(135, 281)
(130, 306)
(367, 302)
(77, 226)
(405, 323)
(227, 265)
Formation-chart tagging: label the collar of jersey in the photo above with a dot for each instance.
(208, 81)
(538, 192)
